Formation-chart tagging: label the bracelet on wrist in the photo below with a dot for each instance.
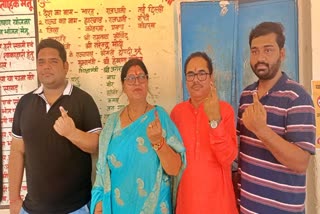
(158, 146)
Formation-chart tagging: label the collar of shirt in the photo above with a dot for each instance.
(67, 90)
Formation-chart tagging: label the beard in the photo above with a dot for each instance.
(266, 73)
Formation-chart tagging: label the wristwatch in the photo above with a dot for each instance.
(214, 123)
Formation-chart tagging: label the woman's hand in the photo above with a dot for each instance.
(98, 208)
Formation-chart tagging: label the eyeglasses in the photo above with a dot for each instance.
(201, 75)
(131, 79)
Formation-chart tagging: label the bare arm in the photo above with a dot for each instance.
(285, 152)
(223, 138)
(98, 208)
(170, 160)
(87, 142)
(16, 167)
(289, 154)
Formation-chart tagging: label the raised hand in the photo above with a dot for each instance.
(254, 116)
(154, 130)
(211, 104)
(64, 125)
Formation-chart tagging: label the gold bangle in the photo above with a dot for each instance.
(158, 146)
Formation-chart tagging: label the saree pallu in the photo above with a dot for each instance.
(130, 178)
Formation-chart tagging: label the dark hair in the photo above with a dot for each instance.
(129, 64)
(265, 28)
(204, 56)
(51, 43)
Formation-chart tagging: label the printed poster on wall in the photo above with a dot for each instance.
(100, 36)
(316, 101)
(17, 70)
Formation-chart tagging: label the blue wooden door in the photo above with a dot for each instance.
(252, 13)
(223, 32)
(208, 27)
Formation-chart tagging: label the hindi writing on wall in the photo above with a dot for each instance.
(17, 70)
(100, 37)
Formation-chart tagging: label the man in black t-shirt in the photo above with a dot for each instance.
(55, 129)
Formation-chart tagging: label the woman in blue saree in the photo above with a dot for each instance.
(140, 152)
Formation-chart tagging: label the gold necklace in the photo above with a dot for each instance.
(129, 114)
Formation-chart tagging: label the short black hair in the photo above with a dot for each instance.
(129, 64)
(265, 28)
(52, 43)
(204, 56)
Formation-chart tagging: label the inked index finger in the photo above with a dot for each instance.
(258, 106)
(255, 98)
(156, 115)
(64, 113)
(157, 120)
(214, 92)
(213, 89)
(256, 103)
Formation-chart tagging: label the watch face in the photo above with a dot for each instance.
(213, 124)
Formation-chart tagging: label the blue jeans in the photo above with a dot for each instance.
(82, 210)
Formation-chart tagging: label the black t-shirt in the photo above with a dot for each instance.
(58, 173)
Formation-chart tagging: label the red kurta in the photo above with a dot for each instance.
(206, 184)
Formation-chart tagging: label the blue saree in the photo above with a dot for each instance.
(130, 178)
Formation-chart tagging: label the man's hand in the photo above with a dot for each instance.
(211, 104)
(254, 116)
(64, 125)
(15, 206)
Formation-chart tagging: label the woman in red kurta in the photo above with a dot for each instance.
(206, 184)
